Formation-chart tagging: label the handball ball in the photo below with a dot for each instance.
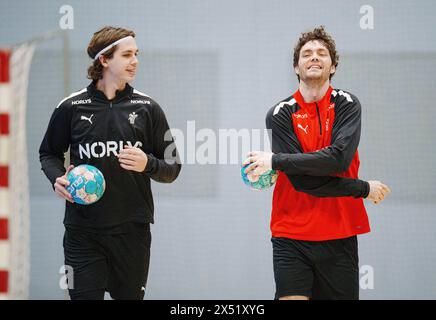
(87, 184)
(261, 182)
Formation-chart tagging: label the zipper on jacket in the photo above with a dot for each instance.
(319, 119)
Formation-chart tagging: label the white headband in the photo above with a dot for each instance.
(111, 46)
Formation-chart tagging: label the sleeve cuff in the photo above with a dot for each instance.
(366, 189)
(149, 167)
(275, 162)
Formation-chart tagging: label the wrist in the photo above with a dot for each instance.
(149, 165)
(274, 162)
(366, 189)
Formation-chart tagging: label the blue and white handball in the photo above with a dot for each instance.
(87, 184)
(260, 182)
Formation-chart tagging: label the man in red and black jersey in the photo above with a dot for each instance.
(318, 208)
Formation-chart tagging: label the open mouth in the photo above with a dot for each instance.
(314, 68)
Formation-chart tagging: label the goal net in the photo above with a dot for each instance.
(15, 63)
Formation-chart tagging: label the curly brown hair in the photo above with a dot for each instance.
(321, 35)
(100, 40)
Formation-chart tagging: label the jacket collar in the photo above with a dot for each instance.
(311, 105)
(94, 92)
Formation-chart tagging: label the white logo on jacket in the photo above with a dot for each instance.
(140, 101)
(132, 117)
(301, 127)
(104, 149)
(87, 101)
(86, 118)
(300, 116)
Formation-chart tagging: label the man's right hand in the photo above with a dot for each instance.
(60, 184)
(377, 191)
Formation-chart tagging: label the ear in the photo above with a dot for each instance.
(332, 69)
(103, 61)
(297, 70)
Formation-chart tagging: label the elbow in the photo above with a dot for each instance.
(338, 167)
(171, 176)
(344, 164)
(339, 163)
(176, 173)
(343, 157)
(42, 156)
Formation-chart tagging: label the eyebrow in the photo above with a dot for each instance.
(126, 51)
(310, 50)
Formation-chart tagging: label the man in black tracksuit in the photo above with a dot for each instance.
(125, 134)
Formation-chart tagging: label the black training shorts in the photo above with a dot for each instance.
(117, 263)
(316, 269)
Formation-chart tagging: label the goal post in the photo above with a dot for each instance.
(15, 63)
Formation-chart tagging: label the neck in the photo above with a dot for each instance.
(312, 92)
(110, 87)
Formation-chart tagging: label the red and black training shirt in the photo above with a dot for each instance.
(318, 195)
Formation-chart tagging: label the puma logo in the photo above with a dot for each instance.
(85, 118)
(304, 129)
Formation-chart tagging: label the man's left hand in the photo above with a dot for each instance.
(132, 158)
(260, 162)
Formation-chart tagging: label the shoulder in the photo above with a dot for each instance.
(141, 98)
(150, 105)
(73, 99)
(345, 99)
(280, 114)
(287, 106)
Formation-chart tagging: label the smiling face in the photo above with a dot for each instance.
(314, 62)
(123, 64)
